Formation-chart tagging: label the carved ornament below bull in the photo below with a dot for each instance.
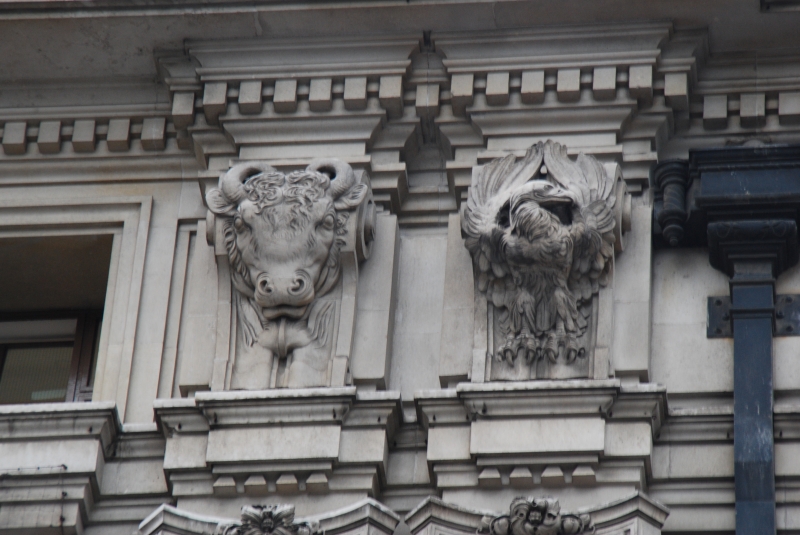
(285, 235)
(536, 516)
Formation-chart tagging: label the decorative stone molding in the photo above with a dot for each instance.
(310, 441)
(564, 433)
(25, 139)
(561, 81)
(285, 237)
(536, 516)
(366, 514)
(636, 514)
(541, 231)
(269, 520)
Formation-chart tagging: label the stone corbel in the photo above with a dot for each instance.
(53, 456)
(542, 231)
(520, 435)
(312, 441)
(286, 300)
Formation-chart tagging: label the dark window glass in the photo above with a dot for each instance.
(35, 374)
(41, 372)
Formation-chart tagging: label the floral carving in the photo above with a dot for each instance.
(269, 520)
(541, 239)
(536, 516)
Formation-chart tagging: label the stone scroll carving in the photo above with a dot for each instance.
(541, 231)
(289, 237)
(536, 516)
(269, 520)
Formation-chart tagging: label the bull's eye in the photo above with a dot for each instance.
(238, 223)
(328, 222)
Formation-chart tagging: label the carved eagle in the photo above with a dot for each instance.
(541, 238)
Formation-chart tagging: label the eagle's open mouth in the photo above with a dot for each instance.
(561, 207)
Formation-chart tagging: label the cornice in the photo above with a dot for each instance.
(302, 58)
(433, 509)
(135, 166)
(279, 406)
(344, 520)
(306, 406)
(604, 517)
(608, 399)
(42, 420)
(552, 47)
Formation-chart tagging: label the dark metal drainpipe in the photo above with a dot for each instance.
(739, 210)
(752, 310)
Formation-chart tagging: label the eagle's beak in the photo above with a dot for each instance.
(555, 200)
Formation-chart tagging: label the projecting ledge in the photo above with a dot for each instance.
(627, 515)
(97, 419)
(583, 397)
(347, 520)
(288, 433)
(279, 405)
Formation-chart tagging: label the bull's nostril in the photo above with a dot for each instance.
(298, 286)
(265, 286)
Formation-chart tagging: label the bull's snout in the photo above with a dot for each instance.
(294, 291)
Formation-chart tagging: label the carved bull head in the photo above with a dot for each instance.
(280, 230)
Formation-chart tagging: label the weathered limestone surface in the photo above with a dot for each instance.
(682, 356)
(397, 421)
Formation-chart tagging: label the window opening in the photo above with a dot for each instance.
(52, 294)
(52, 371)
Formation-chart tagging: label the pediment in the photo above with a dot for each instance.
(636, 514)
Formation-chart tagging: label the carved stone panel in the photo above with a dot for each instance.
(634, 515)
(542, 231)
(293, 244)
(536, 516)
(269, 520)
(364, 516)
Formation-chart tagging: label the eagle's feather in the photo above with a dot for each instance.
(541, 242)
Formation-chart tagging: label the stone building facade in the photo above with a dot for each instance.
(444, 267)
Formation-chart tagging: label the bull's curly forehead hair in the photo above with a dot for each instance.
(301, 188)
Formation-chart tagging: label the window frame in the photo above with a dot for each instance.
(96, 211)
(85, 345)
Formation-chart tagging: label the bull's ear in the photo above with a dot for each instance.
(218, 203)
(351, 198)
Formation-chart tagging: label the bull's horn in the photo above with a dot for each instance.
(342, 176)
(231, 182)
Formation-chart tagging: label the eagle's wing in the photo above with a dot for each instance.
(489, 192)
(593, 231)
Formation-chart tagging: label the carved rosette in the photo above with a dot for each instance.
(542, 231)
(286, 236)
(536, 516)
(269, 520)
